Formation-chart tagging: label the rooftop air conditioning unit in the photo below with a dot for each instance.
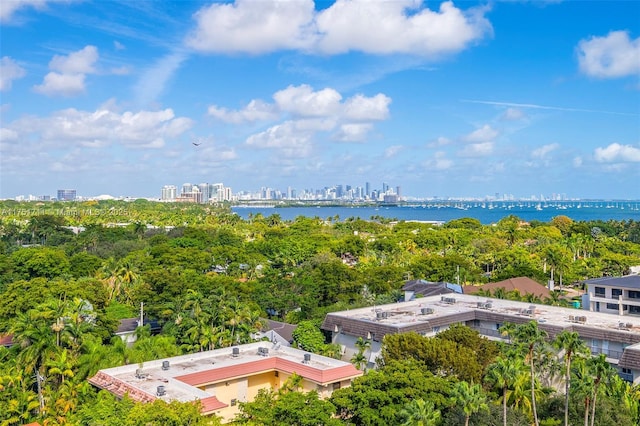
(307, 358)
(165, 365)
(488, 305)
(140, 374)
(263, 351)
(161, 391)
(426, 311)
(235, 351)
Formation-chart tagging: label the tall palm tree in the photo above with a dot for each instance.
(419, 412)
(471, 398)
(531, 337)
(584, 385)
(570, 343)
(502, 374)
(600, 369)
(36, 341)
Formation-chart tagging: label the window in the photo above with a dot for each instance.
(233, 401)
(336, 386)
(498, 326)
(615, 292)
(626, 370)
(634, 294)
(600, 291)
(436, 329)
(612, 306)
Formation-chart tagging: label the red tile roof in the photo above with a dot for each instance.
(320, 376)
(211, 404)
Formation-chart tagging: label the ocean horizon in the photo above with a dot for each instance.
(485, 212)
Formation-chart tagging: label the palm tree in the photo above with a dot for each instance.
(572, 345)
(34, 337)
(600, 369)
(502, 374)
(531, 337)
(419, 412)
(62, 364)
(471, 397)
(584, 385)
(359, 360)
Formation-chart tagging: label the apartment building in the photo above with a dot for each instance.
(222, 378)
(615, 336)
(615, 295)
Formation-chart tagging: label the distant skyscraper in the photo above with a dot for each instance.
(398, 193)
(385, 187)
(66, 194)
(169, 193)
(367, 189)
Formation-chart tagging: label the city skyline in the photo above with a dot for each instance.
(444, 99)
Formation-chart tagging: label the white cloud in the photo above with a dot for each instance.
(256, 110)
(440, 141)
(72, 127)
(577, 162)
(353, 132)
(393, 150)
(439, 162)
(61, 84)
(481, 149)
(304, 101)
(286, 138)
(614, 55)
(9, 7)
(8, 135)
(544, 150)
(67, 76)
(118, 46)
(400, 26)
(9, 71)
(80, 62)
(253, 26)
(513, 114)
(616, 153)
(360, 107)
(484, 134)
(379, 27)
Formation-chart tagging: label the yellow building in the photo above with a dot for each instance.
(222, 378)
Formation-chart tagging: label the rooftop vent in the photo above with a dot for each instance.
(450, 300)
(307, 359)
(382, 315)
(161, 391)
(263, 351)
(235, 351)
(165, 365)
(140, 374)
(426, 311)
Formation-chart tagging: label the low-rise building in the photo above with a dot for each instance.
(615, 295)
(222, 378)
(615, 336)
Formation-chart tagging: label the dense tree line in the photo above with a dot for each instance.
(209, 277)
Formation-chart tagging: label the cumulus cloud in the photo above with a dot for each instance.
(614, 55)
(544, 150)
(9, 71)
(308, 112)
(287, 138)
(256, 110)
(253, 27)
(390, 27)
(72, 127)
(440, 141)
(67, 76)
(400, 26)
(353, 132)
(617, 153)
(484, 134)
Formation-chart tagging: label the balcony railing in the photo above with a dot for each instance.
(609, 353)
(626, 376)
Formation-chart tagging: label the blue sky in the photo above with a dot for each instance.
(443, 99)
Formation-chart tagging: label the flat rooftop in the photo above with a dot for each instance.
(185, 372)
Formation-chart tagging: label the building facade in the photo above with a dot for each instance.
(66, 194)
(617, 337)
(222, 378)
(615, 295)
